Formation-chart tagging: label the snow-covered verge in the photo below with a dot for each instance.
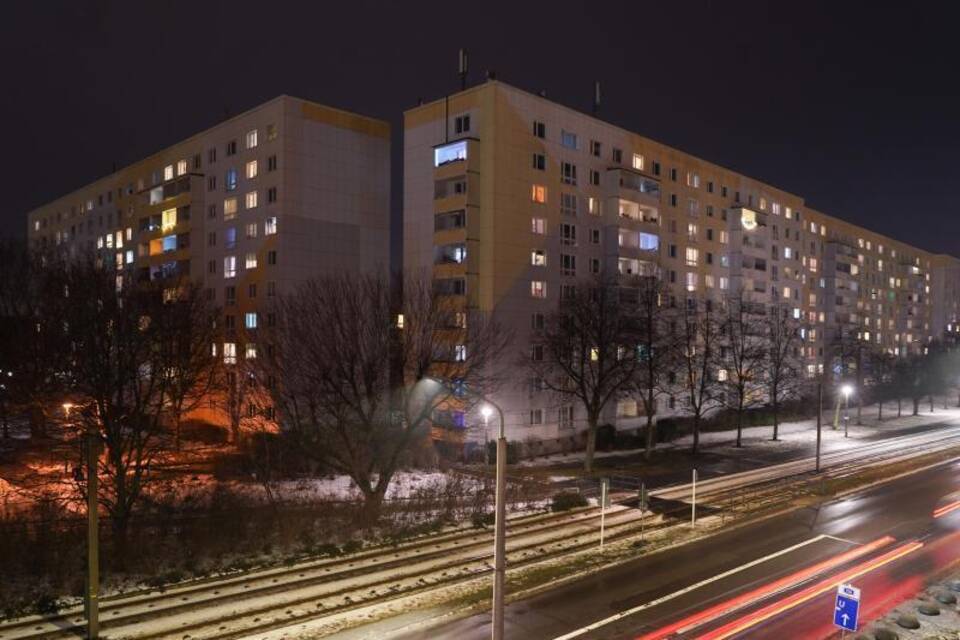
(790, 434)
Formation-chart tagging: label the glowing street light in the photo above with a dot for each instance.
(846, 390)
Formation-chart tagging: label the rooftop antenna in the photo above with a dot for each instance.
(596, 96)
(463, 69)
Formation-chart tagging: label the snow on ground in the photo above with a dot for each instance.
(795, 434)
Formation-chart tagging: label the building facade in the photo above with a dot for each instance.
(509, 198)
(248, 208)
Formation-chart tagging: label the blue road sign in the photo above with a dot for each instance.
(847, 608)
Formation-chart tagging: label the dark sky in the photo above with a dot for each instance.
(852, 105)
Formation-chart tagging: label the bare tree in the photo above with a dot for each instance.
(696, 348)
(743, 356)
(883, 367)
(358, 377)
(653, 337)
(851, 354)
(120, 366)
(783, 364)
(589, 350)
(186, 331)
(32, 337)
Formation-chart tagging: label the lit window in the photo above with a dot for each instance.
(251, 139)
(593, 206)
(230, 267)
(252, 230)
(692, 257)
(638, 162)
(251, 200)
(538, 258)
(460, 352)
(691, 281)
(251, 260)
(450, 153)
(250, 352)
(538, 193)
(181, 167)
(748, 219)
(229, 352)
(168, 219)
(649, 242)
(399, 321)
(538, 289)
(156, 195)
(168, 172)
(129, 256)
(270, 226)
(569, 140)
(693, 180)
(250, 320)
(230, 181)
(538, 226)
(724, 282)
(229, 208)
(722, 375)
(251, 169)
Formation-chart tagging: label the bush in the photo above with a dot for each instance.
(606, 437)
(567, 500)
(47, 605)
(482, 520)
(351, 546)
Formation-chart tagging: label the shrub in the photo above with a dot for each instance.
(606, 437)
(567, 500)
(481, 520)
(351, 546)
(47, 605)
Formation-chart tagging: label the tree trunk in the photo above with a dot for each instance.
(739, 426)
(931, 403)
(859, 407)
(38, 422)
(651, 436)
(916, 406)
(880, 411)
(696, 433)
(3, 420)
(591, 444)
(176, 432)
(776, 418)
(899, 406)
(372, 504)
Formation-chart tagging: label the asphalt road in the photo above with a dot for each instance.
(761, 564)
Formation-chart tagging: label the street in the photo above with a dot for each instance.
(871, 534)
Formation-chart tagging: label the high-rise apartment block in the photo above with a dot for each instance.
(248, 208)
(509, 199)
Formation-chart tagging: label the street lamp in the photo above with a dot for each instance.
(91, 599)
(486, 412)
(846, 390)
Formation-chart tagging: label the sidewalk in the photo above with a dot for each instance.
(795, 439)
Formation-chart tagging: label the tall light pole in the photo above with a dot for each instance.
(819, 418)
(91, 599)
(500, 527)
(846, 390)
(486, 411)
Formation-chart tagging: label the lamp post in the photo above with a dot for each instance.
(846, 390)
(500, 526)
(91, 595)
(819, 418)
(486, 412)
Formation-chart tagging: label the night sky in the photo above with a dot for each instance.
(851, 105)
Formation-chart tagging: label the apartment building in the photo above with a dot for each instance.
(509, 198)
(249, 208)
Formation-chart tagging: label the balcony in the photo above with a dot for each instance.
(636, 267)
(631, 210)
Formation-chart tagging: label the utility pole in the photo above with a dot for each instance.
(500, 531)
(693, 501)
(819, 418)
(604, 497)
(93, 537)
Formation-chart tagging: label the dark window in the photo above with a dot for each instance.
(272, 194)
(197, 163)
(272, 257)
(212, 266)
(462, 124)
(539, 129)
(617, 155)
(212, 239)
(252, 290)
(656, 168)
(211, 183)
(673, 199)
(594, 177)
(211, 156)
(232, 148)
(673, 174)
(539, 161)
(212, 211)
(272, 163)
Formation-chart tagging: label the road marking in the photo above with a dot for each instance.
(944, 510)
(826, 535)
(738, 626)
(676, 594)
